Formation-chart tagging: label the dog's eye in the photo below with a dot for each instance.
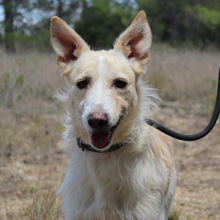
(83, 84)
(120, 83)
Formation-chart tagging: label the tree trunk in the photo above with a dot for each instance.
(60, 9)
(8, 26)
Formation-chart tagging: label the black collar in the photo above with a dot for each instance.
(84, 146)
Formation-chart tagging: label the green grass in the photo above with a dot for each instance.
(174, 214)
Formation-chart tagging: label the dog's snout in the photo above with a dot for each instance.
(97, 120)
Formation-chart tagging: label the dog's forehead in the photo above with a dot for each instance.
(111, 61)
(98, 64)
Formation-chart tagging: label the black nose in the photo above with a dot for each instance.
(97, 120)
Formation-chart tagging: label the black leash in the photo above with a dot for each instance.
(196, 136)
(183, 137)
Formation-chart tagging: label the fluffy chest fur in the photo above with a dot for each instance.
(128, 184)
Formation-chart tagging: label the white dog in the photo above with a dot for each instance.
(122, 169)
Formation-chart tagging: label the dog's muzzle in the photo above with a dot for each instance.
(101, 132)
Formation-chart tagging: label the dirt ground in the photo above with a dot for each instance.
(27, 166)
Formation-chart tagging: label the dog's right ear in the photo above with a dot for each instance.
(67, 44)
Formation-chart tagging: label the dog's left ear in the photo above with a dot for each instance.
(135, 43)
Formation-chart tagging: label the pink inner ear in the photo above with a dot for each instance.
(135, 46)
(68, 46)
(68, 53)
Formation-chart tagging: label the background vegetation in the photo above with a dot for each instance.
(176, 22)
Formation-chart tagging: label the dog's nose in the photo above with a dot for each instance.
(97, 120)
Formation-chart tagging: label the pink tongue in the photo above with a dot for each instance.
(100, 138)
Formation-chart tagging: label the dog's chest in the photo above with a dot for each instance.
(121, 181)
(100, 185)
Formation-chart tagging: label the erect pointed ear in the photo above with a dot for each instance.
(67, 44)
(135, 42)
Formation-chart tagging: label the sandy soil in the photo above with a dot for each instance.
(29, 166)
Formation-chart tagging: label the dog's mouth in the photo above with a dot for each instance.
(101, 139)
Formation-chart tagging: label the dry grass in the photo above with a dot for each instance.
(45, 205)
(28, 81)
(29, 136)
(185, 75)
(30, 122)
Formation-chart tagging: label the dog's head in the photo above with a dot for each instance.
(103, 83)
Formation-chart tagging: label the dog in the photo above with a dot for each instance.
(121, 168)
